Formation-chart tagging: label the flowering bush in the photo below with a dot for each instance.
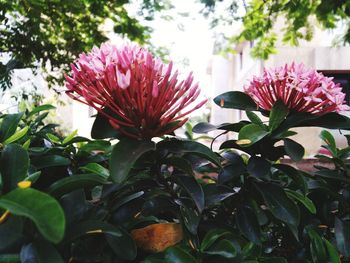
(300, 89)
(137, 93)
(72, 199)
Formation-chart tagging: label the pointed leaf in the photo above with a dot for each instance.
(294, 150)
(253, 133)
(9, 125)
(193, 188)
(278, 114)
(236, 100)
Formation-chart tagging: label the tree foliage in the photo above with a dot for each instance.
(50, 34)
(300, 16)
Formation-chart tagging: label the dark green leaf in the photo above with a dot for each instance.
(191, 218)
(318, 250)
(10, 258)
(294, 150)
(278, 113)
(14, 165)
(182, 146)
(10, 232)
(258, 167)
(273, 260)
(224, 248)
(47, 252)
(177, 255)
(254, 118)
(328, 138)
(248, 224)
(69, 184)
(236, 100)
(123, 246)
(124, 155)
(332, 251)
(278, 203)
(50, 161)
(9, 125)
(96, 169)
(101, 129)
(342, 235)
(253, 133)
(212, 236)
(193, 188)
(41, 208)
(293, 173)
(302, 199)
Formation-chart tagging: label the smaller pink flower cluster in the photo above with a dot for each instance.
(299, 88)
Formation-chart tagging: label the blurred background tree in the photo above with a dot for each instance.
(49, 34)
(260, 16)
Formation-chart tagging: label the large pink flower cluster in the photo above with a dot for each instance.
(139, 95)
(299, 88)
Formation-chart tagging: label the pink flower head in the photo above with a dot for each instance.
(139, 95)
(299, 88)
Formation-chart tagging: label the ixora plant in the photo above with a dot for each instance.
(72, 199)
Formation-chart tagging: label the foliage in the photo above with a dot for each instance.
(50, 34)
(299, 16)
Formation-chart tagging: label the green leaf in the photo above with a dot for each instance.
(193, 188)
(279, 204)
(294, 150)
(318, 250)
(10, 258)
(259, 167)
(96, 169)
(9, 125)
(212, 236)
(47, 252)
(41, 208)
(18, 135)
(26, 144)
(124, 155)
(273, 260)
(40, 108)
(342, 235)
(33, 177)
(70, 137)
(224, 248)
(191, 218)
(253, 133)
(328, 138)
(332, 251)
(53, 138)
(232, 171)
(50, 161)
(254, 118)
(248, 224)
(302, 199)
(123, 246)
(183, 146)
(71, 183)
(14, 163)
(278, 114)
(177, 255)
(236, 100)
(181, 164)
(10, 232)
(101, 129)
(293, 173)
(92, 227)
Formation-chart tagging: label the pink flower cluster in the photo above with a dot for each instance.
(139, 95)
(299, 88)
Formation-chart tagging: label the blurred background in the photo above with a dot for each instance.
(224, 42)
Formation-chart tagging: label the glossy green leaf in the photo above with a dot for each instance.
(70, 137)
(50, 161)
(96, 169)
(10, 258)
(332, 251)
(328, 138)
(258, 167)
(223, 248)
(41, 208)
(10, 232)
(183, 146)
(278, 114)
(317, 248)
(279, 204)
(294, 150)
(193, 188)
(236, 100)
(342, 235)
(212, 236)
(101, 129)
(9, 125)
(294, 174)
(177, 255)
(253, 133)
(16, 136)
(302, 199)
(53, 138)
(14, 163)
(40, 108)
(124, 155)
(71, 183)
(254, 118)
(248, 224)
(181, 164)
